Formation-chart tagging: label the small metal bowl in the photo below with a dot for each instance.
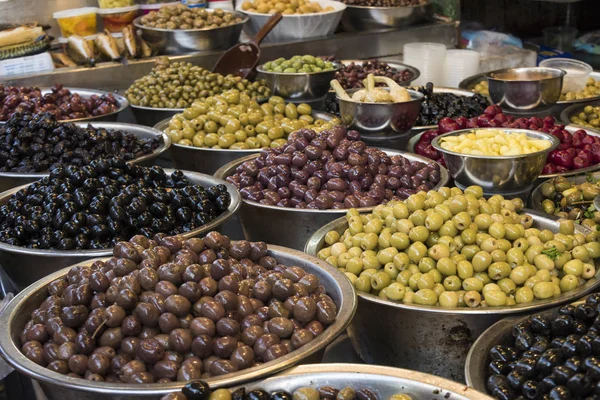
(150, 116)
(574, 109)
(378, 121)
(525, 90)
(360, 18)
(208, 160)
(496, 174)
(61, 387)
(384, 381)
(9, 180)
(183, 41)
(292, 227)
(476, 366)
(536, 199)
(300, 86)
(386, 332)
(24, 265)
(122, 103)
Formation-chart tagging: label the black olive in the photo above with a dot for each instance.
(281, 395)
(197, 390)
(257, 394)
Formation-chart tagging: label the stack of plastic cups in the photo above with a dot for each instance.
(427, 58)
(459, 64)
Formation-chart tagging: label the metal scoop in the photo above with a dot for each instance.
(242, 59)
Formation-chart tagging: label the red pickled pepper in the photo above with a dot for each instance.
(576, 150)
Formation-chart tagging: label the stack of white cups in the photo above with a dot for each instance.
(459, 64)
(427, 58)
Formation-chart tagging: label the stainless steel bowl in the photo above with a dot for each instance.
(182, 41)
(60, 387)
(150, 116)
(122, 103)
(384, 381)
(24, 266)
(9, 180)
(359, 18)
(535, 201)
(208, 160)
(299, 86)
(476, 366)
(525, 90)
(496, 174)
(572, 110)
(431, 339)
(457, 92)
(292, 227)
(381, 120)
(571, 128)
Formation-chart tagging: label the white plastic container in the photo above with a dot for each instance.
(222, 4)
(458, 65)
(429, 59)
(577, 72)
(297, 26)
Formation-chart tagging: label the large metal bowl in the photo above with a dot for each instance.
(182, 41)
(525, 90)
(9, 180)
(208, 160)
(150, 116)
(378, 121)
(360, 18)
(571, 128)
(567, 113)
(61, 387)
(496, 174)
(426, 338)
(292, 227)
(122, 103)
(384, 381)
(535, 201)
(476, 365)
(295, 27)
(24, 265)
(300, 86)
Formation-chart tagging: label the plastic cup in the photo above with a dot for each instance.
(77, 21)
(560, 37)
(427, 58)
(458, 65)
(577, 72)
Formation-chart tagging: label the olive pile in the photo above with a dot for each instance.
(591, 89)
(550, 356)
(351, 76)
(456, 249)
(298, 64)
(38, 143)
(107, 201)
(178, 85)
(330, 169)
(181, 17)
(436, 106)
(566, 199)
(234, 121)
(200, 390)
(588, 117)
(169, 309)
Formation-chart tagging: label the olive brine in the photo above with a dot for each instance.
(170, 309)
(107, 201)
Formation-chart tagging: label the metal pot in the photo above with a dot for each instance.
(25, 265)
(209, 160)
(430, 339)
(384, 381)
(9, 180)
(60, 387)
(476, 366)
(292, 227)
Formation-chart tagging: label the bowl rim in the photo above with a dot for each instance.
(490, 75)
(111, 126)
(554, 143)
(12, 352)
(245, 18)
(162, 125)
(427, 3)
(122, 101)
(157, 108)
(337, 64)
(234, 206)
(289, 16)
(444, 179)
(419, 98)
(588, 287)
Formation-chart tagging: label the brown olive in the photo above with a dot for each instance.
(202, 346)
(301, 337)
(203, 326)
(165, 369)
(224, 346)
(150, 351)
(264, 342)
(118, 362)
(242, 356)
(66, 351)
(98, 364)
(273, 352)
(223, 367)
(78, 363)
(59, 366)
(180, 340)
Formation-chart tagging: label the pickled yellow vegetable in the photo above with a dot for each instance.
(493, 142)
